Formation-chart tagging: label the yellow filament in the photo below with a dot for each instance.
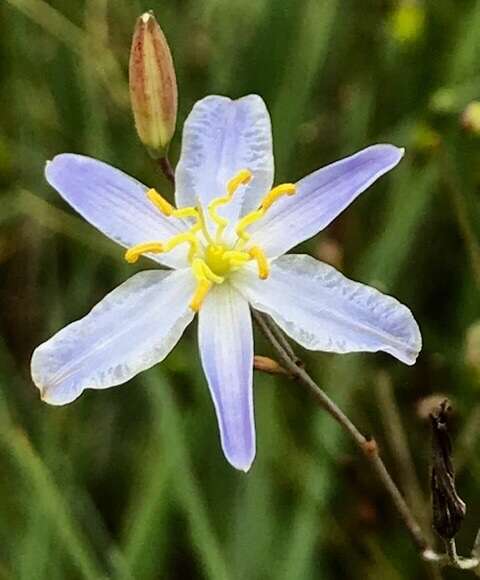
(262, 263)
(242, 177)
(267, 202)
(246, 221)
(201, 291)
(201, 225)
(132, 255)
(186, 212)
(186, 237)
(236, 255)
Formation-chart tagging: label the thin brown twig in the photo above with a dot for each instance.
(278, 334)
(167, 169)
(368, 447)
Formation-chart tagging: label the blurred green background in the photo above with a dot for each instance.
(130, 482)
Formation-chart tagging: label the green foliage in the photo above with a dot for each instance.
(130, 482)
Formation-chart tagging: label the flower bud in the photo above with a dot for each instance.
(153, 86)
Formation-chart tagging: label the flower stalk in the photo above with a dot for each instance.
(369, 448)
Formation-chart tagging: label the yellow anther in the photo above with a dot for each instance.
(242, 177)
(262, 263)
(168, 209)
(132, 255)
(160, 202)
(201, 291)
(276, 193)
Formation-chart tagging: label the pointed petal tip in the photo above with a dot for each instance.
(241, 463)
(396, 153)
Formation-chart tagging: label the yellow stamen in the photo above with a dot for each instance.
(132, 255)
(168, 209)
(267, 202)
(160, 202)
(242, 177)
(184, 212)
(276, 193)
(212, 259)
(201, 225)
(246, 221)
(186, 237)
(262, 263)
(201, 291)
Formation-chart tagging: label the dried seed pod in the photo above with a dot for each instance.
(448, 508)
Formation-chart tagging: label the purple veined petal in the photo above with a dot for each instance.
(322, 310)
(115, 203)
(226, 349)
(130, 330)
(220, 137)
(320, 198)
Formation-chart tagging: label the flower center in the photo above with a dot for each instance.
(218, 259)
(210, 256)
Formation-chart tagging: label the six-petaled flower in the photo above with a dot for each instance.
(225, 244)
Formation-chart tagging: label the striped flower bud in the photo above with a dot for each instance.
(153, 86)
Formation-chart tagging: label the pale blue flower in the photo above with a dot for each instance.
(225, 245)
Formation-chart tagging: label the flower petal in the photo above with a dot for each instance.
(130, 330)
(320, 198)
(226, 349)
(322, 310)
(115, 203)
(221, 137)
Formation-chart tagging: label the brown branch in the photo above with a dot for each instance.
(167, 169)
(368, 447)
